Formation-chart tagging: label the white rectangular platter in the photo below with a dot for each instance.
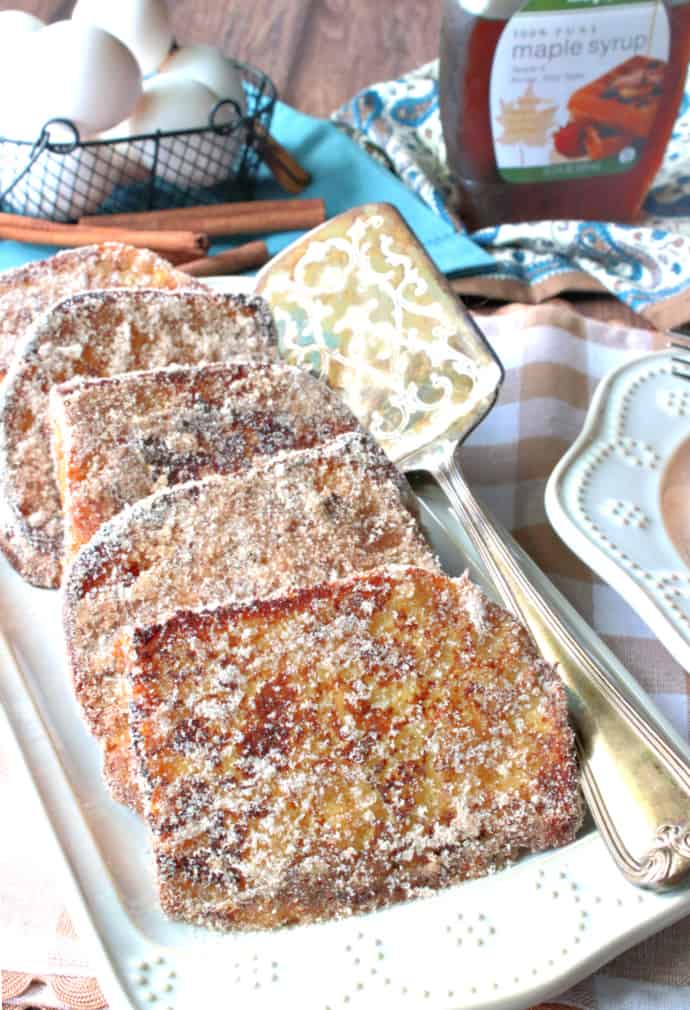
(501, 943)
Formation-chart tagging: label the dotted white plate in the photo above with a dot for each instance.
(603, 498)
(500, 943)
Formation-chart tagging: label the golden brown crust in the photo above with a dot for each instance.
(120, 439)
(345, 747)
(101, 333)
(30, 290)
(295, 519)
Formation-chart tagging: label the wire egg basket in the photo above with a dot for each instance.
(62, 178)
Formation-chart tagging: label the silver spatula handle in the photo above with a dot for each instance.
(637, 785)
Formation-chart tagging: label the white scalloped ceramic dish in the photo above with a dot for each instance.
(605, 496)
(501, 943)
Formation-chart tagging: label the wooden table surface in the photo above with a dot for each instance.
(319, 53)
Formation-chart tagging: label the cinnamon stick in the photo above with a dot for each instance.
(239, 207)
(23, 221)
(247, 218)
(234, 261)
(178, 246)
(286, 170)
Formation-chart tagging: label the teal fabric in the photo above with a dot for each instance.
(345, 176)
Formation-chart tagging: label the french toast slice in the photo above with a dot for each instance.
(295, 519)
(28, 291)
(345, 747)
(120, 439)
(101, 333)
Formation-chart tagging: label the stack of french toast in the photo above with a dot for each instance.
(313, 719)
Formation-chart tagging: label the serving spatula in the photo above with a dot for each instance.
(359, 303)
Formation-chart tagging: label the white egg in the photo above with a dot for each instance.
(13, 23)
(173, 102)
(13, 26)
(67, 71)
(170, 103)
(208, 66)
(143, 25)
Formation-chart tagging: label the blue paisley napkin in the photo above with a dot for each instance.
(646, 265)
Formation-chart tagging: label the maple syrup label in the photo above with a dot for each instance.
(575, 87)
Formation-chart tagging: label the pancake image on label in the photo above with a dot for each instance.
(101, 333)
(346, 747)
(293, 520)
(120, 439)
(28, 291)
(625, 99)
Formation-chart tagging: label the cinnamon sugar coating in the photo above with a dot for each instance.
(101, 333)
(28, 291)
(120, 439)
(294, 520)
(345, 747)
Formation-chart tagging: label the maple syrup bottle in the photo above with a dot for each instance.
(559, 108)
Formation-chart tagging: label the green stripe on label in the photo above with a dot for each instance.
(553, 173)
(539, 6)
